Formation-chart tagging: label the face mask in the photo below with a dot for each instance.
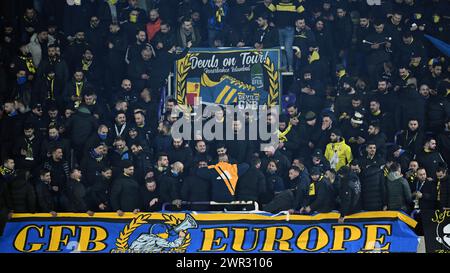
(102, 136)
(133, 18)
(21, 80)
(175, 174)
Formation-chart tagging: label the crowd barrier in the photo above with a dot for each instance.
(209, 232)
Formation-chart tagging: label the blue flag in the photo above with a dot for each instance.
(442, 46)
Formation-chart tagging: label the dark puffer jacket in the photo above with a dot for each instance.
(22, 195)
(372, 189)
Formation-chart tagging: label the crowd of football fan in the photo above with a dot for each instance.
(85, 124)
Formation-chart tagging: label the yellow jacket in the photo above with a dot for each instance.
(338, 154)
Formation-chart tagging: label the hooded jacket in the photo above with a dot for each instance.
(35, 48)
(398, 194)
(338, 154)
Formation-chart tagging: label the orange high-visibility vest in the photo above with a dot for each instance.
(229, 174)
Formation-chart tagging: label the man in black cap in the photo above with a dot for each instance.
(308, 134)
(399, 155)
(125, 191)
(319, 197)
(318, 161)
(37, 119)
(354, 131)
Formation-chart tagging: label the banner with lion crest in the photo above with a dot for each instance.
(188, 232)
(244, 77)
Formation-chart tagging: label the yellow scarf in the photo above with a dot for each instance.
(229, 174)
(282, 135)
(438, 187)
(52, 90)
(29, 63)
(86, 65)
(219, 14)
(312, 187)
(314, 57)
(79, 87)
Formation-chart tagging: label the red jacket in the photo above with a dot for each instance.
(153, 28)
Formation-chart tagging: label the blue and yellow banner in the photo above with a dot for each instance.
(208, 233)
(244, 77)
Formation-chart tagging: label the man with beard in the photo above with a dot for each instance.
(363, 30)
(154, 24)
(337, 152)
(162, 165)
(59, 169)
(165, 39)
(75, 88)
(343, 103)
(412, 138)
(55, 63)
(144, 128)
(125, 191)
(134, 50)
(304, 39)
(187, 32)
(120, 127)
(53, 140)
(49, 89)
(376, 48)
(93, 162)
(379, 138)
(371, 157)
(97, 196)
(140, 69)
(120, 152)
(343, 32)
(311, 94)
(180, 152)
(141, 161)
(27, 149)
(75, 50)
(265, 36)
(384, 119)
(38, 45)
(48, 195)
(95, 36)
(429, 157)
(325, 43)
(91, 66)
(386, 96)
(36, 118)
(115, 66)
(308, 134)
(127, 93)
(354, 131)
